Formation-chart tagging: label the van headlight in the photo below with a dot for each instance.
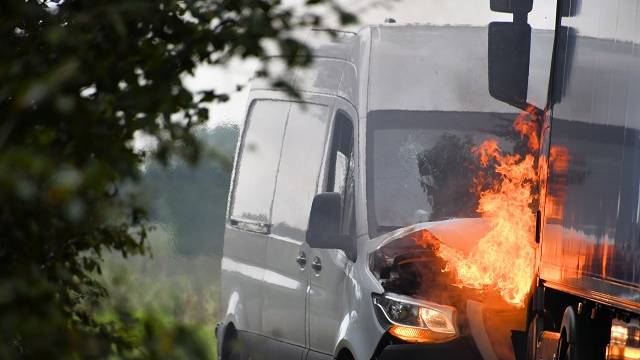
(416, 321)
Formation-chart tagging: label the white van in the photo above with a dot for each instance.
(328, 190)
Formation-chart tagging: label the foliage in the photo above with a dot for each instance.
(174, 289)
(80, 81)
(192, 199)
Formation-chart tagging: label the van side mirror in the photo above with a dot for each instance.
(324, 223)
(509, 53)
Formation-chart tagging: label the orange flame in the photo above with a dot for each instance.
(504, 258)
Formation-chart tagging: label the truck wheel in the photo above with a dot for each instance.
(536, 326)
(580, 339)
(569, 346)
(565, 350)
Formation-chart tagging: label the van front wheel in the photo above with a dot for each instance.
(344, 355)
(231, 347)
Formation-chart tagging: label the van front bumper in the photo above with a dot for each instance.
(460, 348)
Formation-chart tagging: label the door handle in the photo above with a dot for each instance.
(302, 260)
(316, 264)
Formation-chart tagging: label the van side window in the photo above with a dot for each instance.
(258, 164)
(341, 170)
(300, 164)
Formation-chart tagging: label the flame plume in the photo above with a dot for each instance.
(504, 258)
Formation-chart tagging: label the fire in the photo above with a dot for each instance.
(504, 258)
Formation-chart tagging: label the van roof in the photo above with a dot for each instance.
(411, 67)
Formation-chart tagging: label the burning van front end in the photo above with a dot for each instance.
(418, 329)
(449, 198)
(450, 201)
(424, 310)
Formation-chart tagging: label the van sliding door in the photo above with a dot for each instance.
(250, 214)
(287, 262)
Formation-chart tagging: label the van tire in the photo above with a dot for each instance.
(344, 354)
(231, 348)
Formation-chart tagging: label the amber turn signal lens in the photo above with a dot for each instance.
(418, 335)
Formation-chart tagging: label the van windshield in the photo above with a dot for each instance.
(421, 165)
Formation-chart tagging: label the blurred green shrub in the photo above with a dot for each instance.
(192, 200)
(80, 80)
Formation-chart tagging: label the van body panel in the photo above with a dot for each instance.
(245, 246)
(331, 77)
(445, 69)
(327, 299)
(342, 45)
(242, 272)
(259, 347)
(255, 181)
(286, 280)
(361, 328)
(328, 303)
(312, 355)
(245, 251)
(284, 293)
(363, 64)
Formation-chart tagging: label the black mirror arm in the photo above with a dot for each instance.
(521, 18)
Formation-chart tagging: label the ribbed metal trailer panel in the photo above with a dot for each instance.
(591, 234)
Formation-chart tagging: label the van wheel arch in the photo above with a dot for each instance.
(344, 354)
(229, 349)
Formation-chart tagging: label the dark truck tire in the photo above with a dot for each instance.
(581, 338)
(536, 326)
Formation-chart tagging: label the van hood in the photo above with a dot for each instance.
(408, 261)
(462, 234)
